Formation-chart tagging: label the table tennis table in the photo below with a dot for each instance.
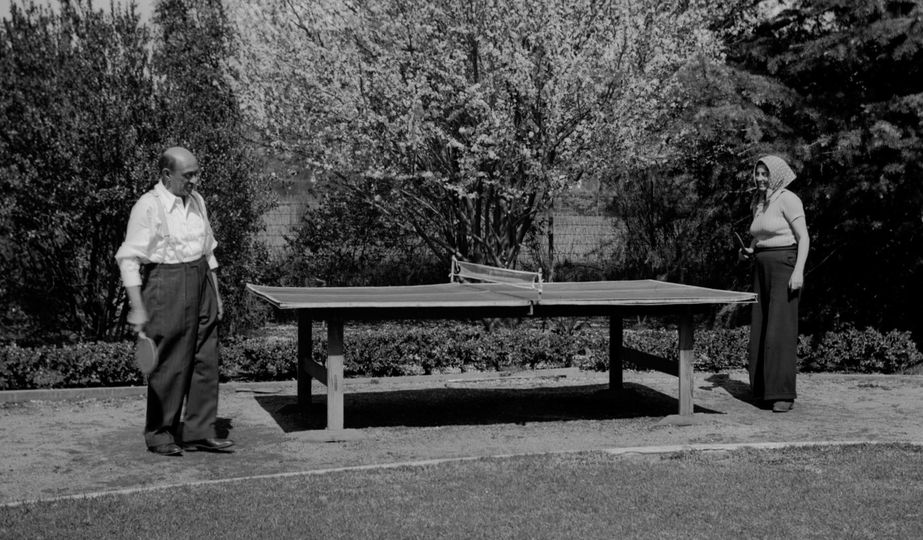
(613, 299)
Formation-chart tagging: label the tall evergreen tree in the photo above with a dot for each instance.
(857, 140)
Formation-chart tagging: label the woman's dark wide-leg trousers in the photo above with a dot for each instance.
(774, 326)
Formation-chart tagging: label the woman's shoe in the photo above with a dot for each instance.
(783, 405)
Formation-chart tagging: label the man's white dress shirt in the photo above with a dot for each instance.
(161, 229)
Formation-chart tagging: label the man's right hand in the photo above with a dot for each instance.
(744, 254)
(137, 317)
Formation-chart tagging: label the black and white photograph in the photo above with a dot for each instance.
(439, 269)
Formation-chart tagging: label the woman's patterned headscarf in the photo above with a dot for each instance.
(780, 174)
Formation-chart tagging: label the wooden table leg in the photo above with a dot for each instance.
(335, 375)
(686, 357)
(304, 357)
(615, 352)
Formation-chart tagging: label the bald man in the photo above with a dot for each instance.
(168, 268)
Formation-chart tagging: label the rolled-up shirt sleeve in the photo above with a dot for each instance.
(136, 248)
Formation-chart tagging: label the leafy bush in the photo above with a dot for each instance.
(345, 241)
(424, 348)
(87, 93)
(859, 351)
(77, 101)
(81, 365)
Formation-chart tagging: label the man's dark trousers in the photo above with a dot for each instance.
(183, 310)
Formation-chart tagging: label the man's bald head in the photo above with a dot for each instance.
(171, 158)
(179, 171)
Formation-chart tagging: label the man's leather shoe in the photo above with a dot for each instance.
(782, 406)
(168, 449)
(208, 445)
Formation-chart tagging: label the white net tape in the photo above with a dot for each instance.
(462, 271)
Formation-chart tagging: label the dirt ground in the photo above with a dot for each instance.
(80, 446)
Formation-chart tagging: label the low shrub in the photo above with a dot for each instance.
(81, 365)
(859, 351)
(393, 349)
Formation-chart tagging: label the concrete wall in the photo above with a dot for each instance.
(281, 221)
(581, 238)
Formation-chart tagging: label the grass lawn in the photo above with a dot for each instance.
(866, 491)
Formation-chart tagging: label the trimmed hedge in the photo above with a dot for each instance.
(412, 349)
(74, 366)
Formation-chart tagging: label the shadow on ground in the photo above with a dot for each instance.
(737, 389)
(475, 406)
(223, 427)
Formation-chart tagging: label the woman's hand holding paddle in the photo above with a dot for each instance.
(745, 252)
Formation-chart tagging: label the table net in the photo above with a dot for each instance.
(463, 271)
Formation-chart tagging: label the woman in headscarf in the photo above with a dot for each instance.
(779, 249)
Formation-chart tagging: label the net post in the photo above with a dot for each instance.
(453, 269)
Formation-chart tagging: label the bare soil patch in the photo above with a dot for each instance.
(55, 448)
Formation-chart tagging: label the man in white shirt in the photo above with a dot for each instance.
(177, 304)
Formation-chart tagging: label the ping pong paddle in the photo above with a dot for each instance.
(145, 354)
(741, 242)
